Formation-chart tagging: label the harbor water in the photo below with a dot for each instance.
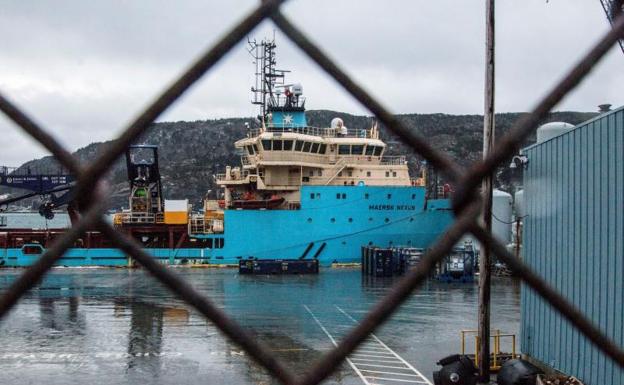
(120, 326)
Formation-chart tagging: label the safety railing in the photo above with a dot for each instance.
(316, 131)
(498, 356)
(393, 160)
(466, 200)
(137, 218)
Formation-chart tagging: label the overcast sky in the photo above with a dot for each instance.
(85, 68)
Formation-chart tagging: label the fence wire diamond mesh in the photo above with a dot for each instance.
(466, 201)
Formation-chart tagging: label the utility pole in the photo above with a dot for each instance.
(488, 142)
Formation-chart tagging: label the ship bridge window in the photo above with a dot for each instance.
(323, 148)
(277, 145)
(357, 149)
(393, 173)
(306, 146)
(344, 149)
(370, 150)
(250, 150)
(298, 145)
(266, 145)
(288, 144)
(255, 148)
(315, 148)
(378, 151)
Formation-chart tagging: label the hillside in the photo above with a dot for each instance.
(192, 152)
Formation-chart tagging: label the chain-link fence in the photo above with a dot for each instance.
(466, 200)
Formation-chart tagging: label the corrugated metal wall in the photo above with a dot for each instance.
(574, 238)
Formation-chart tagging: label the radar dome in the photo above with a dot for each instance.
(550, 130)
(336, 123)
(297, 89)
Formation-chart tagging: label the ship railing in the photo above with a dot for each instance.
(393, 160)
(292, 156)
(282, 100)
(219, 177)
(135, 218)
(199, 224)
(233, 176)
(315, 131)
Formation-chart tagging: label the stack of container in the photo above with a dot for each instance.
(386, 262)
(278, 266)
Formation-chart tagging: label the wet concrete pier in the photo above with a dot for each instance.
(117, 326)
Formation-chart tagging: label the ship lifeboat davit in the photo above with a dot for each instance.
(271, 203)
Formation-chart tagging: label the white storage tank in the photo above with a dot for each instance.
(519, 203)
(501, 212)
(550, 130)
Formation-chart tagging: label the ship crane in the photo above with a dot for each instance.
(613, 8)
(55, 189)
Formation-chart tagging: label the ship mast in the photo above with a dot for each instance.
(267, 77)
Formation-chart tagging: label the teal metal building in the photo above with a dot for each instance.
(574, 238)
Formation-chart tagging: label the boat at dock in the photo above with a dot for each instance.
(300, 192)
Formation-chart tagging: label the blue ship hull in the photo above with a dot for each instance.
(331, 225)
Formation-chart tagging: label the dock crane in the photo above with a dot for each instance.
(613, 8)
(56, 189)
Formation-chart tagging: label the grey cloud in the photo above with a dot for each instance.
(86, 68)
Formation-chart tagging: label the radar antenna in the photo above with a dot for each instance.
(268, 79)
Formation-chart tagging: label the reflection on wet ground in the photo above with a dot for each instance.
(121, 326)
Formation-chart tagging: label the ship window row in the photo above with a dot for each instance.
(290, 145)
(359, 149)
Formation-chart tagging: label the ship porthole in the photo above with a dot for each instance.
(370, 243)
(350, 219)
(411, 219)
(387, 220)
(333, 220)
(309, 220)
(370, 219)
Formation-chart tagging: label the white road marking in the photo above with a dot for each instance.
(396, 379)
(398, 357)
(357, 371)
(373, 361)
